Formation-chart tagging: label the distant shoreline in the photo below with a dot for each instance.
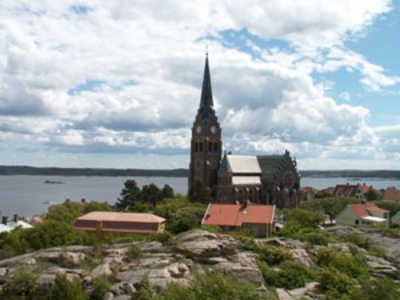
(55, 171)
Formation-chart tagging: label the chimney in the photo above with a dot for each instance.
(5, 220)
(83, 200)
(16, 218)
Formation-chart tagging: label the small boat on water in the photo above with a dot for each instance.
(53, 182)
(46, 202)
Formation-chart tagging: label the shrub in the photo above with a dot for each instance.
(22, 284)
(291, 275)
(100, 287)
(66, 290)
(144, 290)
(335, 283)
(165, 238)
(212, 285)
(212, 228)
(316, 237)
(356, 239)
(273, 255)
(135, 251)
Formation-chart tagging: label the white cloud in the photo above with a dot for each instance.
(265, 104)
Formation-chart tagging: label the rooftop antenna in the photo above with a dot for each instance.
(207, 50)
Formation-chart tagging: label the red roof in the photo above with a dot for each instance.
(363, 210)
(236, 214)
(345, 190)
(102, 216)
(392, 194)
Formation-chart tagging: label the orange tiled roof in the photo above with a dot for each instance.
(236, 215)
(392, 194)
(362, 210)
(101, 216)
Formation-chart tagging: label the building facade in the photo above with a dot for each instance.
(267, 179)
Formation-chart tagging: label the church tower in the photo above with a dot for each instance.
(206, 143)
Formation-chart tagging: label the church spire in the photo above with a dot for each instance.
(206, 110)
(206, 92)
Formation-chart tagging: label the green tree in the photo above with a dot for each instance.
(169, 206)
(66, 212)
(335, 283)
(23, 284)
(100, 286)
(200, 193)
(96, 206)
(187, 218)
(371, 195)
(151, 194)
(129, 195)
(66, 290)
(167, 192)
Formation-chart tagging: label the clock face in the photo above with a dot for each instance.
(213, 129)
(198, 129)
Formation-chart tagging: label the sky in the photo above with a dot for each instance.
(116, 84)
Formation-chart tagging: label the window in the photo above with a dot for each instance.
(210, 147)
(201, 147)
(215, 147)
(196, 147)
(357, 222)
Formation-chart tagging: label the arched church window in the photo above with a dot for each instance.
(210, 147)
(201, 147)
(215, 147)
(196, 147)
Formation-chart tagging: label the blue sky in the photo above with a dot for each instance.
(85, 83)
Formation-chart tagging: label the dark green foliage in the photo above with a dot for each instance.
(356, 239)
(129, 195)
(151, 194)
(144, 290)
(334, 283)
(290, 275)
(212, 285)
(168, 207)
(329, 206)
(167, 192)
(23, 284)
(371, 195)
(96, 206)
(351, 265)
(379, 289)
(66, 212)
(66, 290)
(200, 193)
(100, 286)
(135, 251)
(272, 255)
(46, 235)
(187, 218)
(315, 237)
(297, 219)
(212, 228)
(165, 238)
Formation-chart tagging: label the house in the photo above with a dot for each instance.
(260, 219)
(363, 214)
(120, 222)
(392, 195)
(348, 190)
(7, 226)
(326, 192)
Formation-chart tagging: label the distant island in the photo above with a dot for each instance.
(54, 171)
(53, 182)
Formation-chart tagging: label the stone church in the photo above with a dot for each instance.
(266, 179)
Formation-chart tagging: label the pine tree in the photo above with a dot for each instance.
(129, 195)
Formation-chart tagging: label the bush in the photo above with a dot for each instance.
(291, 275)
(315, 237)
(356, 239)
(335, 283)
(65, 290)
(212, 228)
(100, 287)
(273, 255)
(353, 266)
(22, 284)
(135, 251)
(212, 285)
(165, 238)
(144, 290)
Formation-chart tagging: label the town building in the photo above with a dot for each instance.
(363, 214)
(7, 226)
(392, 195)
(348, 190)
(259, 219)
(121, 222)
(266, 179)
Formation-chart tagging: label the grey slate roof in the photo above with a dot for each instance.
(206, 110)
(240, 164)
(270, 165)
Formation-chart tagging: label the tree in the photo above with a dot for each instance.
(63, 289)
(187, 218)
(168, 207)
(96, 206)
(129, 195)
(23, 284)
(151, 194)
(371, 195)
(66, 212)
(167, 192)
(200, 193)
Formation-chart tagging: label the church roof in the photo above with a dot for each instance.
(206, 109)
(270, 165)
(240, 164)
